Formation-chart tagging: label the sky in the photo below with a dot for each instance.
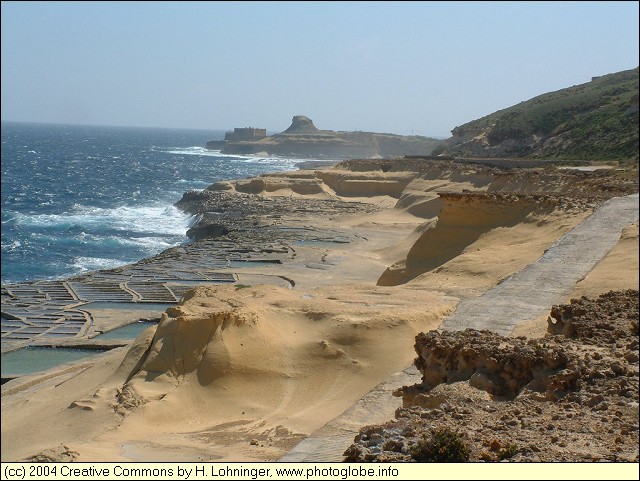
(398, 67)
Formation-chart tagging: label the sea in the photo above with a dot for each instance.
(78, 198)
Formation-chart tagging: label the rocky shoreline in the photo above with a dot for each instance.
(245, 233)
(290, 268)
(257, 222)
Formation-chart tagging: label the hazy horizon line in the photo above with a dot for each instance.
(230, 129)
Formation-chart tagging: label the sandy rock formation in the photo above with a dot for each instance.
(271, 364)
(59, 454)
(465, 217)
(184, 343)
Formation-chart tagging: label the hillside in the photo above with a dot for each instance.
(597, 120)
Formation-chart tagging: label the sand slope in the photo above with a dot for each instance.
(231, 366)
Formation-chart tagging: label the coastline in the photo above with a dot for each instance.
(300, 252)
(55, 301)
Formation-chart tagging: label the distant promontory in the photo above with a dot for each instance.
(304, 139)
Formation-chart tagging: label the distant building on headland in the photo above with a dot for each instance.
(245, 133)
(304, 140)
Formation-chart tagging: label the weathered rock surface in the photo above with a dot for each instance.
(301, 124)
(220, 213)
(59, 454)
(465, 216)
(600, 322)
(502, 367)
(570, 396)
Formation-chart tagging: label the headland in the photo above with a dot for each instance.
(304, 140)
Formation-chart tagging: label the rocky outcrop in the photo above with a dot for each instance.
(254, 218)
(502, 367)
(570, 396)
(304, 139)
(301, 124)
(206, 231)
(421, 186)
(185, 341)
(462, 219)
(59, 454)
(613, 316)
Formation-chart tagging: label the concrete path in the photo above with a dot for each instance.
(378, 406)
(531, 292)
(525, 295)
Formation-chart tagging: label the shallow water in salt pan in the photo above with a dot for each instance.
(30, 360)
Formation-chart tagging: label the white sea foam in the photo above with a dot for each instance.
(153, 242)
(194, 183)
(200, 151)
(268, 160)
(162, 219)
(11, 246)
(84, 264)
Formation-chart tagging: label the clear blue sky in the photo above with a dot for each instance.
(421, 67)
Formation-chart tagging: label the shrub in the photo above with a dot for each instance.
(509, 451)
(441, 446)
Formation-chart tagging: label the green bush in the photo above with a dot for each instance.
(441, 446)
(509, 451)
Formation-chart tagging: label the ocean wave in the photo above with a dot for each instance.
(8, 247)
(201, 151)
(84, 264)
(157, 243)
(194, 183)
(100, 170)
(159, 219)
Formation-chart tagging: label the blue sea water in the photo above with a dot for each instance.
(80, 198)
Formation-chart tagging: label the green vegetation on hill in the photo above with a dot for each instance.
(597, 120)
